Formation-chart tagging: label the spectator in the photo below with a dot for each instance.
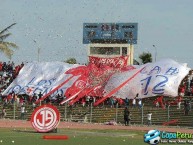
(191, 90)
(116, 103)
(58, 98)
(33, 105)
(87, 100)
(83, 102)
(190, 103)
(94, 99)
(1, 97)
(157, 104)
(126, 102)
(120, 102)
(22, 112)
(179, 101)
(187, 107)
(21, 101)
(10, 98)
(112, 102)
(3, 115)
(139, 103)
(40, 95)
(191, 83)
(126, 116)
(134, 100)
(159, 101)
(188, 82)
(149, 118)
(14, 97)
(133, 103)
(182, 90)
(91, 100)
(34, 98)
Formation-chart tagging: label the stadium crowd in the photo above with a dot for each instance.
(8, 72)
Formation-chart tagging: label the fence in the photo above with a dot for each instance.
(168, 116)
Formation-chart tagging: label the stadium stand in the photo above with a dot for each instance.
(169, 115)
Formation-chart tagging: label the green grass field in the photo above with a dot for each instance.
(76, 137)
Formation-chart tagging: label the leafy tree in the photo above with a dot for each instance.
(146, 57)
(71, 61)
(5, 47)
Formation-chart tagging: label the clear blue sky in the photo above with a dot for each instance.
(57, 26)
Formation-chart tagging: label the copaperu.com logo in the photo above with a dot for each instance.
(176, 135)
(154, 137)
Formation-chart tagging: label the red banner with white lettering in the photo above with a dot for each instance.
(116, 62)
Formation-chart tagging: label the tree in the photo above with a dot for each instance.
(5, 46)
(145, 57)
(71, 61)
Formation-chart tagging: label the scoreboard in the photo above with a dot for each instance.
(125, 33)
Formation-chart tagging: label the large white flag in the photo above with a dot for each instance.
(41, 77)
(160, 78)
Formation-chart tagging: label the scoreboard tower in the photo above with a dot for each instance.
(110, 42)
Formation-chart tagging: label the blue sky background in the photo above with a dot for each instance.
(57, 26)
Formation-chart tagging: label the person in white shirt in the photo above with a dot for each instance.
(149, 118)
(22, 112)
(139, 103)
(87, 100)
(133, 102)
(34, 105)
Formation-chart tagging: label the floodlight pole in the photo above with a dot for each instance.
(131, 48)
(38, 54)
(155, 52)
(38, 50)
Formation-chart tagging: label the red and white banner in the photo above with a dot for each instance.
(160, 78)
(77, 81)
(43, 77)
(90, 82)
(116, 62)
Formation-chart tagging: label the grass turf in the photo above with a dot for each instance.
(76, 137)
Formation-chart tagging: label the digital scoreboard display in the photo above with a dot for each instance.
(110, 33)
